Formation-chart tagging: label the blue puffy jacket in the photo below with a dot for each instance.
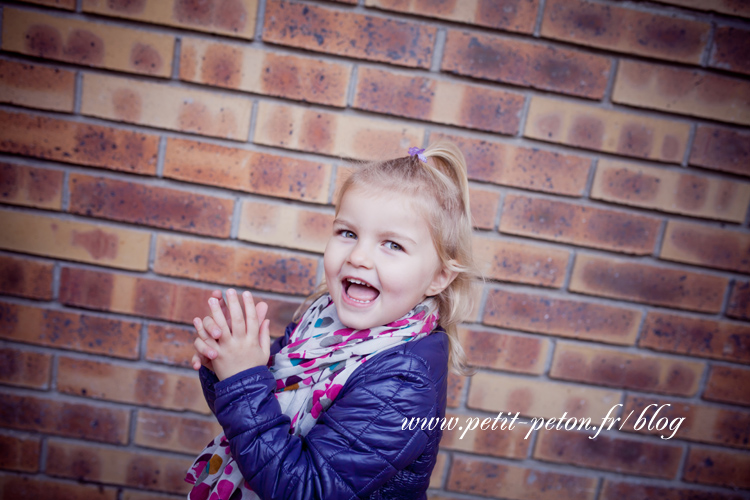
(357, 448)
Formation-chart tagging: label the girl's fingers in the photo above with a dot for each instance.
(211, 327)
(196, 362)
(235, 312)
(261, 309)
(204, 350)
(204, 338)
(218, 296)
(265, 337)
(252, 315)
(218, 316)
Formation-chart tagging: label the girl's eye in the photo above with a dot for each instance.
(347, 234)
(393, 246)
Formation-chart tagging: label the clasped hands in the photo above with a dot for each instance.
(229, 348)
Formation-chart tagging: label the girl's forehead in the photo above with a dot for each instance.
(387, 205)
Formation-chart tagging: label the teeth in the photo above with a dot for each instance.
(357, 282)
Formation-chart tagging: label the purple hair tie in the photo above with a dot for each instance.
(418, 152)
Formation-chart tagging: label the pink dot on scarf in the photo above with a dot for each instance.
(200, 492)
(224, 489)
(228, 469)
(333, 391)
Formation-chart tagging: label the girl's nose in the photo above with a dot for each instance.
(359, 256)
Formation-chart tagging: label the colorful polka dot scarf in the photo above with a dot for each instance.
(310, 371)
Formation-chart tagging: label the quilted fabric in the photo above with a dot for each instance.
(357, 449)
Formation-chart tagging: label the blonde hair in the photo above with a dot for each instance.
(443, 187)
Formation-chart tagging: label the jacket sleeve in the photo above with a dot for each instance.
(356, 446)
(209, 380)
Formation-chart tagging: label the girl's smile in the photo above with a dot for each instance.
(380, 261)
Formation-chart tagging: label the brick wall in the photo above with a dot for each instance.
(152, 150)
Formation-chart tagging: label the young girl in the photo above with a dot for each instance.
(322, 416)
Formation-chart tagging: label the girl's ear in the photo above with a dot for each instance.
(442, 280)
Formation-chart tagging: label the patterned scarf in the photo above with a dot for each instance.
(310, 371)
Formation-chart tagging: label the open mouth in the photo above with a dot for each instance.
(359, 291)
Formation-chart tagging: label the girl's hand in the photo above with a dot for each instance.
(246, 344)
(210, 326)
(205, 347)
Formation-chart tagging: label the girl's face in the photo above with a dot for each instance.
(380, 261)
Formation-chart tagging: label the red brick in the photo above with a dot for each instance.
(730, 50)
(176, 433)
(31, 186)
(703, 423)
(130, 384)
(78, 143)
(527, 168)
(62, 418)
(562, 317)
(625, 370)
(481, 477)
(174, 108)
(231, 265)
(36, 86)
(456, 384)
(147, 205)
(508, 16)
(334, 134)
(64, 330)
(285, 226)
(88, 43)
(170, 345)
(696, 337)
(493, 393)
(436, 100)
(264, 72)
(73, 240)
(349, 34)
(20, 454)
(248, 171)
(684, 91)
(116, 466)
(496, 443)
(673, 191)
(60, 4)
(608, 453)
(33, 487)
(25, 368)
(580, 225)
(235, 18)
(152, 298)
(484, 206)
(438, 473)
(613, 490)
(706, 246)
(722, 149)
(607, 130)
(717, 467)
(526, 64)
(627, 280)
(625, 30)
(521, 263)
(728, 384)
(128, 294)
(730, 7)
(26, 277)
(502, 351)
